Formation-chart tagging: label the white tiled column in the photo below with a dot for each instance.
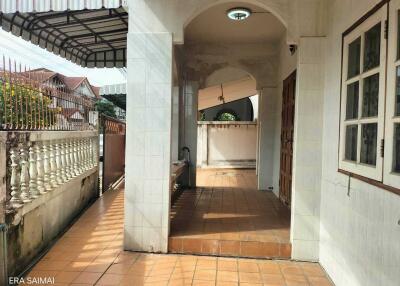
(266, 121)
(175, 124)
(307, 153)
(148, 141)
(190, 133)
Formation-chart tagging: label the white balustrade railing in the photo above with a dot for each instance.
(39, 167)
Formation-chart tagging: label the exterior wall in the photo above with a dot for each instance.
(266, 135)
(149, 135)
(358, 226)
(46, 208)
(175, 124)
(32, 228)
(190, 133)
(148, 152)
(307, 149)
(227, 144)
(205, 61)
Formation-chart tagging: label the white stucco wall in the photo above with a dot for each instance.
(359, 232)
(268, 111)
(227, 144)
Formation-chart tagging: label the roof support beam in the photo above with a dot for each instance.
(78, 23)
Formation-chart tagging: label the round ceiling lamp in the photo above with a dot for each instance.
(238, 14)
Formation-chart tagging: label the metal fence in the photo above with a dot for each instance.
(31, 100)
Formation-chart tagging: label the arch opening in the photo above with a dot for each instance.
(231, 61)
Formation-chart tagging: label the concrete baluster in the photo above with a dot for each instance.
(53, 166)
(33, 189)
(91, 161)
(46, 167)
(76, 157)
(24, 178)
(67, 161)
(40, 171)
(81, 159)
(57, 153)
(14, 180)
(63, 152)
(95, 151)
(72, 168)
(87, 147)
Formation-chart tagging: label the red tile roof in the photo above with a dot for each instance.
(72, 83)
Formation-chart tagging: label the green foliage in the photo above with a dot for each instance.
(226, 116)
(202, 116)
(105, 107)
(22, 105)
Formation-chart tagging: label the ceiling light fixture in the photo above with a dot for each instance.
(238, 14)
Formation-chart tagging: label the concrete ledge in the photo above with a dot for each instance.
(224, 123)
(18, 213)
(34, 226)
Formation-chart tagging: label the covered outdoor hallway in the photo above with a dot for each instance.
(226, 215)
(91, 253)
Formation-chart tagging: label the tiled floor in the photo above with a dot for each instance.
(226, 215)
(91, 253)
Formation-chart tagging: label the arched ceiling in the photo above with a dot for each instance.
(213, 26)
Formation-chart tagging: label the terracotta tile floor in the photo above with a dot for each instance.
(91, 253)
(227, 216)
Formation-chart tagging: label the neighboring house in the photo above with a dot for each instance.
(72, 110)
(77, 85)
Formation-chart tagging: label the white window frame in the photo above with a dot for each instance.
(390, 177)
(365, 170)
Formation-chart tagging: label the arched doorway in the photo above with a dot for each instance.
(226, 215)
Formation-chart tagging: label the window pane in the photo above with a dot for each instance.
(351, 143)
(372, 47)
(353, 66)
(368, 143)
(397, 147)
(370, 96)
(352, 101)
(397, 107)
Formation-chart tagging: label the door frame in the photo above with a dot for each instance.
(286, 195)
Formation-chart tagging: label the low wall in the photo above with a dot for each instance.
(226, 144)
(46, 190)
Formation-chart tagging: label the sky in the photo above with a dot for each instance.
(35, 57)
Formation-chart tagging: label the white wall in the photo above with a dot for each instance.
(307, 149)
(268, 111)
(359, 232)
(227, 144)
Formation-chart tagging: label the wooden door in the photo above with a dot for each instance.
(288, 108)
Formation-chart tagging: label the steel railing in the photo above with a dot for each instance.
(38, 100)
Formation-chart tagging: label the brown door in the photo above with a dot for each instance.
(288, 103)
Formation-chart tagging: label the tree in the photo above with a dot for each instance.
(226, 115)
(105, 107)
(24, 105)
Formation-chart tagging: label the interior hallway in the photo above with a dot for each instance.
(226, 215)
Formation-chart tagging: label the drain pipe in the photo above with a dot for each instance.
(3, 229)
